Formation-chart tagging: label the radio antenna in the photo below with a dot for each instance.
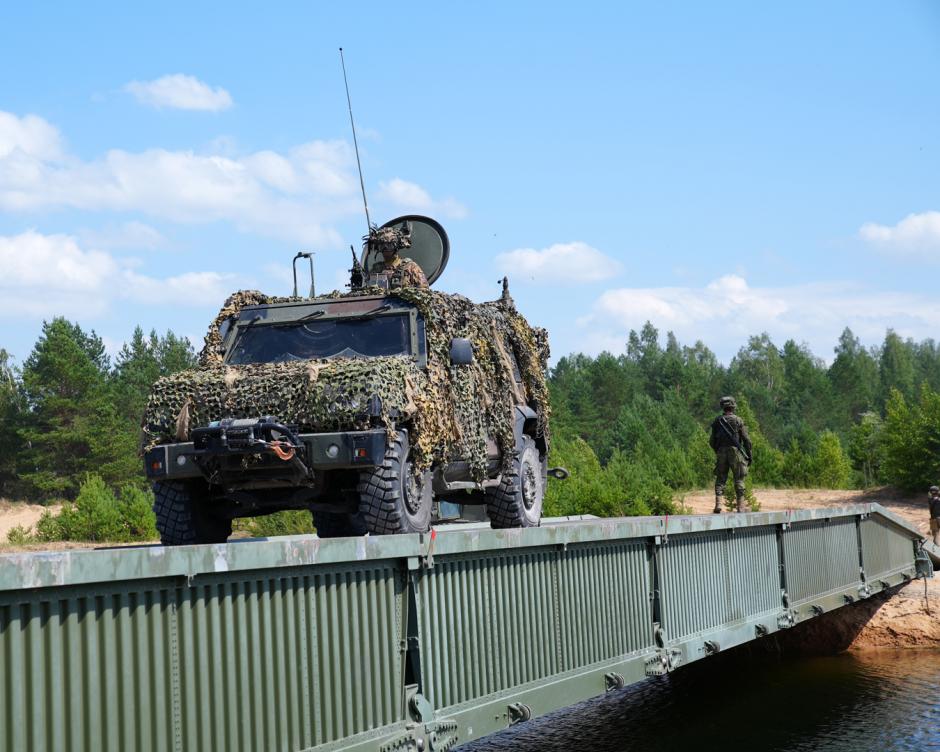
(362, 184)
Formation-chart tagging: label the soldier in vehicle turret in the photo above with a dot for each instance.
(394, 270)
(732, 448)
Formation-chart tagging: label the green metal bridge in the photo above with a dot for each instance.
(406, 642)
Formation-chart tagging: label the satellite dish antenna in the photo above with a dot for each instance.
(430, 247)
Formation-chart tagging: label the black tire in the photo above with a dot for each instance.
(392, 498)
(337, 525)
(517, 500)
(183, 519)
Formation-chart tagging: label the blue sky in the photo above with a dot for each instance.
(721, 170)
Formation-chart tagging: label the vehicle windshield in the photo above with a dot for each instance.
(328, 338)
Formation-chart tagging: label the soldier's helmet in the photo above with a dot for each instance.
(934, 489)
(388, 240)
(727, 402)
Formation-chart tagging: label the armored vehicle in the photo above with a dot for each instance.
(369, 407)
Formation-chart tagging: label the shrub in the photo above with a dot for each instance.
(97, 515)
(136, 508)
(49, 527)
(624, 487)
(830, 465)
(290, 522)
(796, 468)
(19, 535)
(866, 450)
(911, 440)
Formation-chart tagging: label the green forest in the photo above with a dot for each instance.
(631, 428)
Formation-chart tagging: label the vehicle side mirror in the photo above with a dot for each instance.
(461, 351)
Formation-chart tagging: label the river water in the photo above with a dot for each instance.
(862, 702)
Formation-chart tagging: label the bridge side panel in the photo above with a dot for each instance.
(821, 557)
(495, 621)
(289, 659)
(604, 602)
(88, 669)
(753, 571)
(885, 549)
(277, 660)
(710, 579)
(487, 623)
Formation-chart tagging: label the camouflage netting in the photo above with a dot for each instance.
(449, 410)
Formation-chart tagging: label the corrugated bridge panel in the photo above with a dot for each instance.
(496, 620)
(821, 556)
(718, 577)
(252, 661)
(883, 550)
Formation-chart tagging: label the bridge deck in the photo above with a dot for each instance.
(405, 642)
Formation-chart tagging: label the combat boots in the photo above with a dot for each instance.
(742, 507)
(718, 499)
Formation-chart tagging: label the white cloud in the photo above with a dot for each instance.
(726, 311)
(50, 275)
(180, 92)
(293, 196)
(124, 236)
(30, 136)
(413, 198)
(563, 262)
(915, 234)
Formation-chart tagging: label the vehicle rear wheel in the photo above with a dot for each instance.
(393, 498)
(183, 517)
(338, 525)
(517, 500)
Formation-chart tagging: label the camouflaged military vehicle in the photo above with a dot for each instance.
(367, 407)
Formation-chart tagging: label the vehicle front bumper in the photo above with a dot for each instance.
(321, 452)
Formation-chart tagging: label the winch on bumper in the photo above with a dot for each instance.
(256, 447)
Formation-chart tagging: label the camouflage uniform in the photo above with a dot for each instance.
(394, 270)
(726, 430)
(401, 272)
(933, 504)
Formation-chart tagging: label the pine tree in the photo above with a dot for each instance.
(67, 409)
(896, 367)
(11, 408)
(854, 379)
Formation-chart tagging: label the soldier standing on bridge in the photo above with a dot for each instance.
(732, 448)
(933, 504)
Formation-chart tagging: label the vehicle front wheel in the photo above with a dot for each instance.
(183, 516)
(393, 497)
(517, 500)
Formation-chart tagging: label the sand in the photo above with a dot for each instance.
(14, 513)
(913, 509)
